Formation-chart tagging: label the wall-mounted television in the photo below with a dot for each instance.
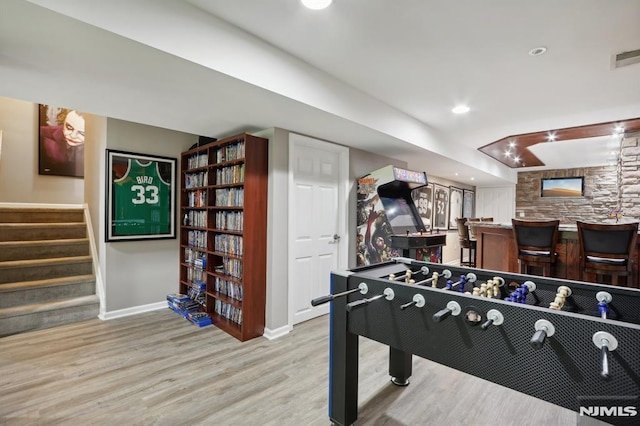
(562, 187)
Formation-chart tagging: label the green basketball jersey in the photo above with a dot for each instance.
(142, 201)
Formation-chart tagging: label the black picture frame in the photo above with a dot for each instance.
(455, 206)
(562, 187)
(468, 203)
(141, 197)
(423, 199)
(61, 138)
(440, 206)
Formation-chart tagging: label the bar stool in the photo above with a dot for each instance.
(466, 242)
(607, 250)
(536, 244)
(472, 229)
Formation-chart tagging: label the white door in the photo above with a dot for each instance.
(317, 222)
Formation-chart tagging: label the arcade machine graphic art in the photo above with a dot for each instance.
(388, 223)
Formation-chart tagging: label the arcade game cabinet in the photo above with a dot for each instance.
(388, 223)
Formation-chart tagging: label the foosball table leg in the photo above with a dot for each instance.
(343, 359)
(400, 366)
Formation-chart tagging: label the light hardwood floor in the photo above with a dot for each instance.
(158, 369)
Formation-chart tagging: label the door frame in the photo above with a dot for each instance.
(296, 140)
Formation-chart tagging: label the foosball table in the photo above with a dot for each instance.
(574, 344)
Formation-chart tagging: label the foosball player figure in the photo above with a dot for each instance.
(561, 297)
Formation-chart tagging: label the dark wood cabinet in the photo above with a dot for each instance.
(223, 233)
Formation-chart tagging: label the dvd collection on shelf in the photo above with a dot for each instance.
(223, 210)
(229, 221)
(230, 175)
(196, 180)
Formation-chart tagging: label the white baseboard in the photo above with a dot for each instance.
(133, 310)
(278, 332)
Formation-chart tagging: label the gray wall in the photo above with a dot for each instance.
(141, 272)
(19, 178)
(277, 304)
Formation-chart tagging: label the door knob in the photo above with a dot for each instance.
(336, 239)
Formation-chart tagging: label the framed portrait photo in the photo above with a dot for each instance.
(440, 206)
(455, 206)
(423, 199)
(60, 141)
(141, 197)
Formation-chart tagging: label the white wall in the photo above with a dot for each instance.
(19, 178)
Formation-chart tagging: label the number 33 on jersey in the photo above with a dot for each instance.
(142, 199)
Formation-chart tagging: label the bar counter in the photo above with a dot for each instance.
(496, 250)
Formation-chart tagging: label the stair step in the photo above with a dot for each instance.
(35, 214)
(40, 249)
(47, 290)
(38, 269)
(42, 231)
(43, 315)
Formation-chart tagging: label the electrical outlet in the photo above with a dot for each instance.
(521, 214)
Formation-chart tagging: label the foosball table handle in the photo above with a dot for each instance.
(538, 339)
(441, 315)
(544, 329)
(453, 308)
(362, 288)
(607, 343)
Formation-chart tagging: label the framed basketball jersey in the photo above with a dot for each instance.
(141, 196)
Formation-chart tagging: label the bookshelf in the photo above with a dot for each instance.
(223, 231)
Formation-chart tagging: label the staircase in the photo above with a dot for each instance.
(46, 269)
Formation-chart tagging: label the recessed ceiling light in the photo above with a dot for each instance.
(512, 144)
(551, 137)
(461, 109)
(316, 4)
(473, 178)
(537, 51)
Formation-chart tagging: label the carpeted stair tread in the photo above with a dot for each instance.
(40, 224)
(51, 282)
(41, 249)
(32, 243)
(40, 214)
(9, 264)
(51, 306)
(19, 231)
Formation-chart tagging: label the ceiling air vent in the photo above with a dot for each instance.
(627, 58)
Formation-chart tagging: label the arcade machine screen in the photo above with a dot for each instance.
(400, 216)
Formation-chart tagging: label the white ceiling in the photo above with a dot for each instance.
(378, 75)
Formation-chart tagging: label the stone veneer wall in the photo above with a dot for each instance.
(600, 190)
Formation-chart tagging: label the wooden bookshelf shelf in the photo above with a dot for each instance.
(223, 207)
